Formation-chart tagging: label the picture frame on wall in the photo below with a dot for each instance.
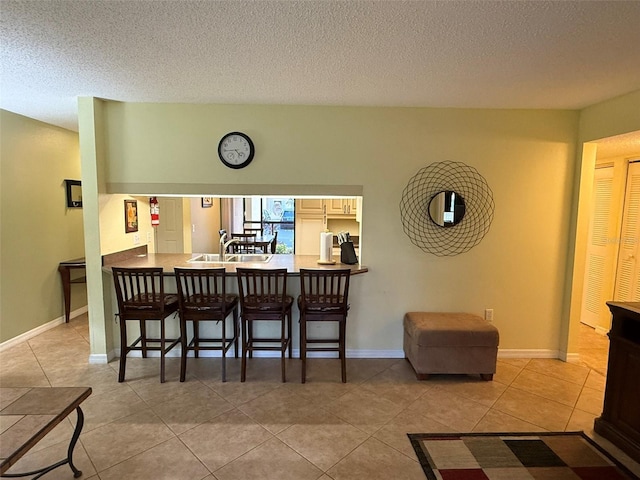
(207, 202)
(130, 216)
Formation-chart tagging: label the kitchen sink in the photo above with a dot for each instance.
(231, 258)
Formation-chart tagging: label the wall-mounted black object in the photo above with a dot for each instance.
(446, 208)
(74, 193)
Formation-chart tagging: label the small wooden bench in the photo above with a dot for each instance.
(440, 342)
(30, 416)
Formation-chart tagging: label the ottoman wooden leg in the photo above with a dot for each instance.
(487, 377)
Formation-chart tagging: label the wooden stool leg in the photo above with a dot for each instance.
(236, 331)
(162, 352)
(196, 338)
(224, 350)
(289, 335)
(283, 347)
(303, 348)
(342, 341)
(243, 368)
(185, 348)
(123, 349)
(143, 336)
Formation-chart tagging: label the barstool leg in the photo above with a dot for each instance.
(162, 352)
(289, 336)
(303, 348)
(143, 336)
(123, 349)
(185, 348)
(196, 338)
(283, 348)
(224, 350)
(236, 331)
(243, 367)
(343, 361)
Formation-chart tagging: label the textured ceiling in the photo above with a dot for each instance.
(493, 54)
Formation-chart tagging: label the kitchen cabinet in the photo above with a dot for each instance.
(308, 229)
(310, 206)
(314, 215)
(341, 206)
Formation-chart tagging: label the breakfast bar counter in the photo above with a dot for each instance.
(168, 261)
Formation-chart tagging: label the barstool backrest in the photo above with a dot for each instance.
(202, 289)
(140, 292)
(262, 291)
(325, 291)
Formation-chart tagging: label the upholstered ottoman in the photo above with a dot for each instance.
(438, 342)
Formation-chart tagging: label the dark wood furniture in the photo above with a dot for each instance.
(33, 414)
(203, 297)
(263, 297)
(249, 242)
(324, 298)
(620, 419)
(65, 273)
(141, 297)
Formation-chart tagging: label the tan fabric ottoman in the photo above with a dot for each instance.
(438, 342)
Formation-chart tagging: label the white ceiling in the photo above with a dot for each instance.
(478, 54)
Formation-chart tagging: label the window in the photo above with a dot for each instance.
(274, 214)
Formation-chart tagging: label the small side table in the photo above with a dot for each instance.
(65, 272)
(31, 416)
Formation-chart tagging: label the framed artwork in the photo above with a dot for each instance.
(207, 202)
(74, 193)
(130, 216)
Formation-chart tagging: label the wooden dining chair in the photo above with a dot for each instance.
(141, 298)
(263, 297)
(203, 297)
(246, 243)
(324, 298)
(255, 228)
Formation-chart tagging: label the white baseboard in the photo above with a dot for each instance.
(12, 342)
(96, 358)
(601, 331)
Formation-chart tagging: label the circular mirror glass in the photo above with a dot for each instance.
(446, 208)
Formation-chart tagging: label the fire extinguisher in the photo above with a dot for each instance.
(155, 211)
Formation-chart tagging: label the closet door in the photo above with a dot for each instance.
(600, 255)
(628, 274)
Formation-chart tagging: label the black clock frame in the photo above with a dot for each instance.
(251, 150)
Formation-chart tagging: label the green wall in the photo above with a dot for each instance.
(528, 158)
(37, 230)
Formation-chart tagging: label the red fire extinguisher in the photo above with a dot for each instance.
(155, 211)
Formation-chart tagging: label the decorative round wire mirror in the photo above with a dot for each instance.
(446, 208)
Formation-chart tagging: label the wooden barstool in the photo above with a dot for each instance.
(141, 297)
(324, 298)
(263, 297)
(202, 295)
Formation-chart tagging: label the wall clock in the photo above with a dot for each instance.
(236, 150)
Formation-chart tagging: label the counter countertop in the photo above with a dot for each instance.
(293, 263)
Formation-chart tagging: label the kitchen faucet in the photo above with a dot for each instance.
(224, 245)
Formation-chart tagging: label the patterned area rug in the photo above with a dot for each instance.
(515, 456)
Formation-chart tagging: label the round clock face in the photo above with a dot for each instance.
(236, 150)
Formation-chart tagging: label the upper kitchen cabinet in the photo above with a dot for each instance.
(332, 207)
(312, 206)
(341, 206)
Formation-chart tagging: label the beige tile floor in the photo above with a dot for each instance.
(264, 429)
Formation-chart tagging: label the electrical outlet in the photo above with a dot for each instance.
(148, 237)
(136, 239)
(488, 314)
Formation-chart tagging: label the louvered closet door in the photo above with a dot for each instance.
(600, 256)
(628, 274)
